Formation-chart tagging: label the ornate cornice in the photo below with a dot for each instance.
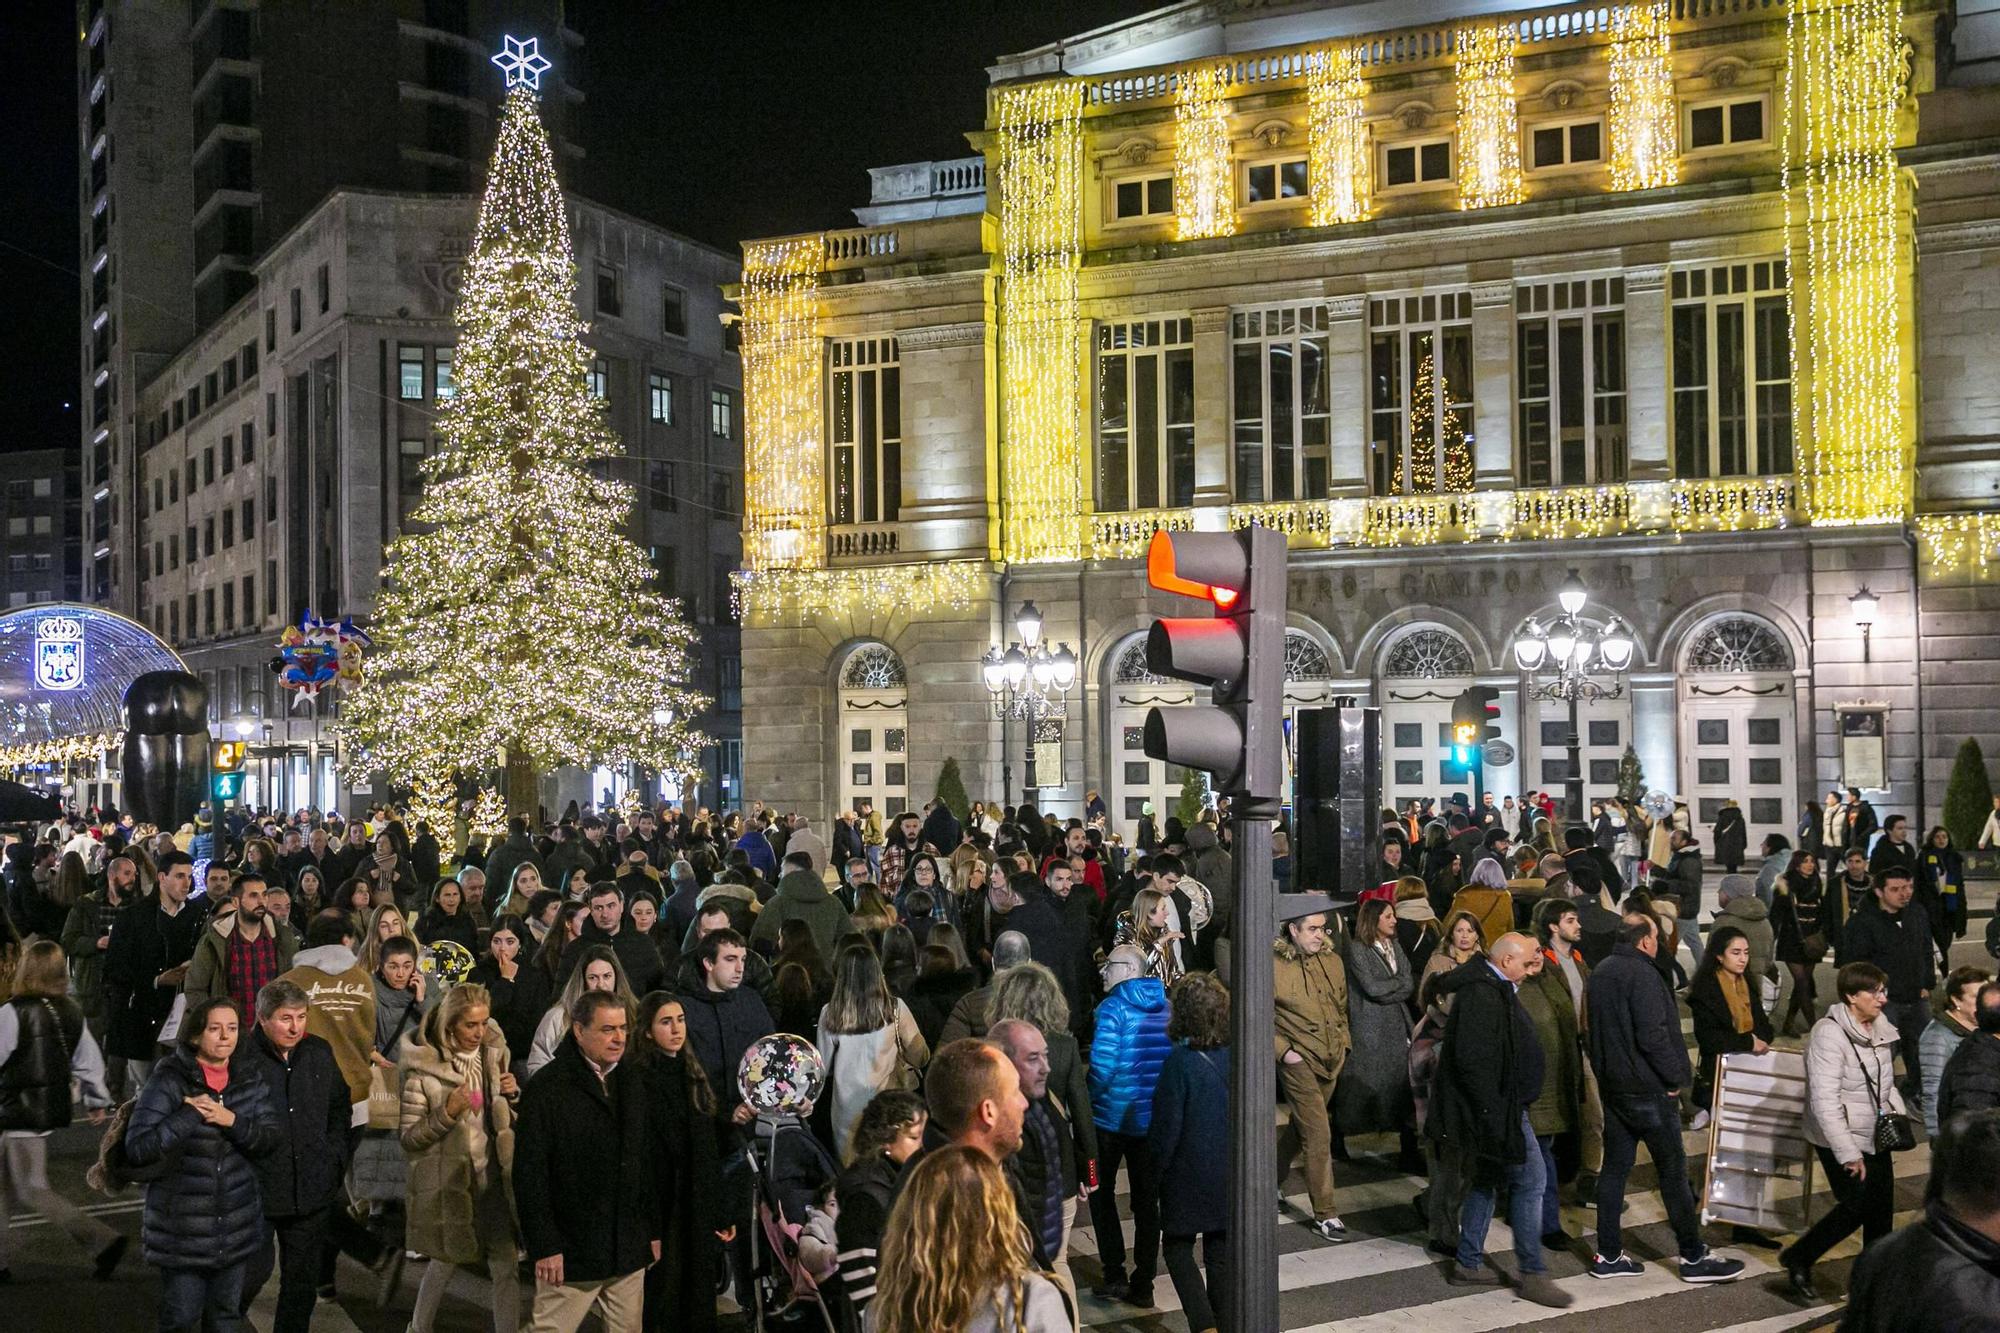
(1645, 278)
(1210, 319)
(1492, 293)
(931, 337)
(1978, 235)
(1346, 307)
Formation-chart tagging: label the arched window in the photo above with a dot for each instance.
(873, 666)
(1427, 654)
(1305, 660)
(1131, 667)
(1739, 644)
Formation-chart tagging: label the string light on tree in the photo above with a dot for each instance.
(1039, 128)
(784, 504)
(516, 617)
(1846, 251)
(1204, 188)
(1337, 167)
(1645, 118)
(1489, 128)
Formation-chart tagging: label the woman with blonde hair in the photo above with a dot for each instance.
(869, 1040)
(1147, 928)
(384, 924)
(458, 1128)
(597, 969)
(1462, 942)
(964, 1262)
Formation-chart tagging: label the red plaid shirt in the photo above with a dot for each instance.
(253, 964)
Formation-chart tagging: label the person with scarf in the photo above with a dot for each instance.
(1417, 928)
(1805, 917)
(1728, 1013)
(681, 1128)
(1940, 865)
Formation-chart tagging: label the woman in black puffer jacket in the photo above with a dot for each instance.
(199, 1123)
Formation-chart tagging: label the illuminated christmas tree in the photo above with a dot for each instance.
(517, 623)
(1430, 397)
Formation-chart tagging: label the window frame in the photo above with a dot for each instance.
(1147, 217)
(1591, 303)
(1309, 324)
(1167, 341)
(1729, 143)
(672, 294)
(410, 355)
(1277, 161)
(616, 309)
(873, 365)
(1763, 295)
(1417, 143)
(1439, 314)
(722, 412)
(1569, 165)
(598, 378)
(660, 397)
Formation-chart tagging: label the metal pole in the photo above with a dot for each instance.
(1030, 715)
(1573, 781)
(1253, 1099)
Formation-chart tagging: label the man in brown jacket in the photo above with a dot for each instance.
(1311, 1043)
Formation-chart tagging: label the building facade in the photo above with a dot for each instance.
(281, 451)
(40, 558)
(1460, 298)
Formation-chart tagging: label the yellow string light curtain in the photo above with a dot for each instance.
(1204, 194)
(863, 592)
(1489, 125)
(1645, 119)
(1040, 142)
(1955, 543)
(1844, 247)
(1337, 167)
(784, 506)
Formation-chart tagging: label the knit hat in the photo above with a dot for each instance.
(1736, 886)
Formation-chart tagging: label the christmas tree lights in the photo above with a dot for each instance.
(1336, 137)
(1040, 150)
(1645, 149)
(1433, 424)
(515, 614)
(1204, 195)
(784, 505)
(1489, 128)
(1846, 251)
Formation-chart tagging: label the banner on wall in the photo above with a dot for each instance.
(1863, 730)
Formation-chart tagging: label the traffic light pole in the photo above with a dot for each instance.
(1252, 1299)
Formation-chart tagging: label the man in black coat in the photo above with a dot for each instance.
(1894, 933)
(724, 1016)
(1052, 940)
(638, 955)
(583, 1180)
(1952, 1257)
(1971, 1080)
(301, 1176)
(1635, 1045)
(1489, 1073)
(145, 964)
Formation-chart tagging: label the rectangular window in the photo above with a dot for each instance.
(229, 376)
(323, 288)
(1725, 124)
(228, 454)
(609, 298)
(270, 330)
(249, 599)
(270, 499)
(442, 384)
(174, 551)
(722, 413)
(228, 606)
(1579, 143)
(228, 528)
(660, 397)
(208, 611)
(663, 489)
(208, 536)
(673, 311)
(270, 416)
(1731, 364)
(1280, 390)
(1416, 164)
(298, 317)
(1569, 382)
(410, 456)
(1142, 197)
(600, 378)
(410, 371)
(865, 430)
(208, 386)
(193, 543)
(174, 621)
(248, 435)
(721, 495)
(208, 466)
(1274, 182)
(1145, 414)
(159, 495)
(1420, 394)
(248, 509)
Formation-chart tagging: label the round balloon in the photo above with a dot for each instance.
(447, 961)
(781, 1073)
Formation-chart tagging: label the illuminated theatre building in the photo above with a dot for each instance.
(1700, 299)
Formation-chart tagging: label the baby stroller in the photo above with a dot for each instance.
(787, 1167)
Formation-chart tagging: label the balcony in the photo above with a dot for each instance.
(1731, 504)
(862, 541)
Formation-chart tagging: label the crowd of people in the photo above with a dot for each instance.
(313, 1037)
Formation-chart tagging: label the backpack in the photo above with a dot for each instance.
(112, 1171)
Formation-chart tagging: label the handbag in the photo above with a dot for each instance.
(1893, 1130)
(385, 1100)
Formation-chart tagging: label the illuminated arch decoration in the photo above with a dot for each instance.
(1040, 151)
(1846, 249)
(1204, 193)
(1739, 644)
(1337, 166)
(64, 669)
(1489, 122)
(1427, 654)
(784, 504)
(1645, 119)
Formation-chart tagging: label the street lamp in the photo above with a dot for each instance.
(1574, 649)
(1030, 681)
(1864, 604)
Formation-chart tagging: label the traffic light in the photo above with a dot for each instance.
(1239, 653)
(226, 769)
(1475, 716)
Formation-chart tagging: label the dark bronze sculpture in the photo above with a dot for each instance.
(166, 748)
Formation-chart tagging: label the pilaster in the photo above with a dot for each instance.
(1211, 405)
(1647, 340)
(1347, 363)
(1493, 382)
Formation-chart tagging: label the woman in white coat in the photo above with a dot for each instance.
(1850, 1084)
(869, 1041)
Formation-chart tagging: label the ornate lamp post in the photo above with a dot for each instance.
(1029, 682)
(1864, 605)
(1573, 657)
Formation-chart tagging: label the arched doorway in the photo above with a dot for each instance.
(1424, 668)
(874, 730)
(1738, 710)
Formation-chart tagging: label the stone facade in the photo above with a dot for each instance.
(1749, 651)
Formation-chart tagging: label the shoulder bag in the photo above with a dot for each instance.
(1893, 1131)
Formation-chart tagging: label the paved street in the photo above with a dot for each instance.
(1382, 1278)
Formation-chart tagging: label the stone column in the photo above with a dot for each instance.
(1212, 425)
(1493, 383)
(1347, 368)
(1647, 338)
(945, 385)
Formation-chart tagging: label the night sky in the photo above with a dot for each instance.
(722, 121)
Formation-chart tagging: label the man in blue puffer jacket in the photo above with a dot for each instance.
(1125, 1057)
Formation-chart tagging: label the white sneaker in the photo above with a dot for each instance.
(1700, 1121)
